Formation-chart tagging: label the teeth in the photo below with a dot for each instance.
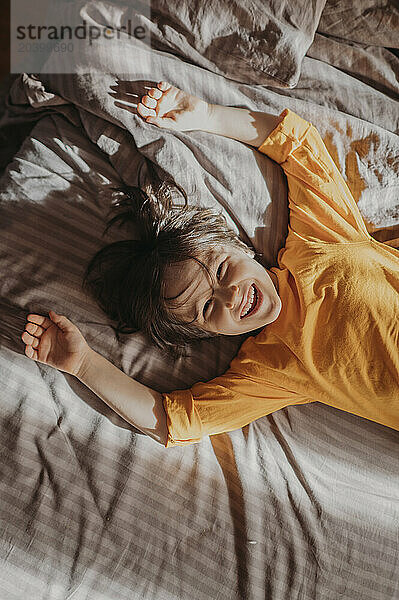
(249, 303)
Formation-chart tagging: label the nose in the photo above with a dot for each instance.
(228, 295)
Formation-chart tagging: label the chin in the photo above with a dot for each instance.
(278, 305)
(274, 312)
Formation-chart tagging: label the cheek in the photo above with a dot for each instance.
(218, 315)
(223, 321)
(220, 318)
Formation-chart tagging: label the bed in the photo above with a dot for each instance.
(301, 504)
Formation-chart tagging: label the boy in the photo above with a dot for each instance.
(329, 312)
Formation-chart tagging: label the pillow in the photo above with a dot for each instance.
(370, 22)
(248, 187)
(252, 42)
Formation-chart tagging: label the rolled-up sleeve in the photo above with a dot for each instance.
(224, 404)
(182, 419)
(321, 205)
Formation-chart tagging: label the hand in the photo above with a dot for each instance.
(56, 342)
(169, 107)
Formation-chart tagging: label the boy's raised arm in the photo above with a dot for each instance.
(136, 403)
(57, 342)
(172, 108)
(241, 124)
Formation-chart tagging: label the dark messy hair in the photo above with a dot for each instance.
(127, 277)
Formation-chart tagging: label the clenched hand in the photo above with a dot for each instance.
(55, 341)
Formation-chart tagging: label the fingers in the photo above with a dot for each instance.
(39, 320)
(145, 112)
(62, 322)
(32, 341)
(35, 327)
(149, 102)
(164, 86)
(31, 353)
(29, 340)
(148, 105)
(155, 93)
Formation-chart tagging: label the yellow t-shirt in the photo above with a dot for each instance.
(336, 339)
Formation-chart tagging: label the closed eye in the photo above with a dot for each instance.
(218, 275)
(206, 306)
(219, 271)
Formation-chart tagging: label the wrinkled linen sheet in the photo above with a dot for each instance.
(303, 503)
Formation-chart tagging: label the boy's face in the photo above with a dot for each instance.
(243, 298)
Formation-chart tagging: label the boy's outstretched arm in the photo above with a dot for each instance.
(136, 403)
(172, 108)
(56, 341)
(241, 124)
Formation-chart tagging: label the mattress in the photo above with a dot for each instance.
(301, 504)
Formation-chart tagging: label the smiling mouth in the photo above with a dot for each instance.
(252, 302)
